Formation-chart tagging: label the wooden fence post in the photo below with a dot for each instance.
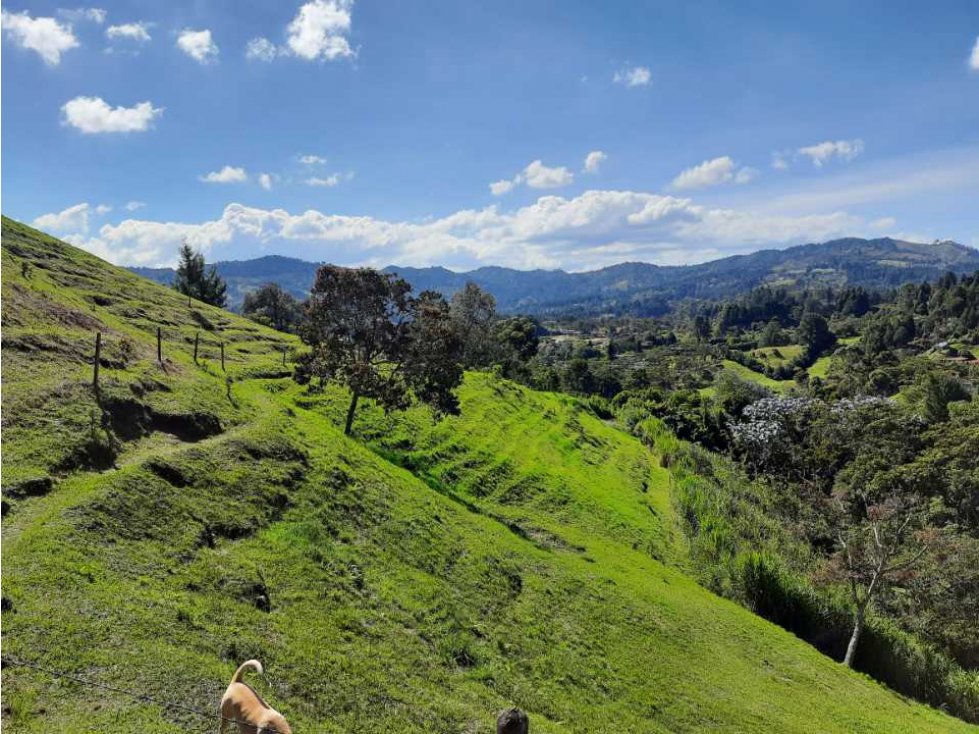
(159, 345)
(197, 338)
(222, 356)
(98, 358)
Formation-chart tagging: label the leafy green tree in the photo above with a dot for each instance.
(772, 335)
(854, 301)
(605, 381)
(934, 391)
(578, 378)
(517, 344)
(888, 330)
(732, 394)
(369, 333)
(195, 280)
(701, 328)
(473, 316)
(273, 306)
(546, 378)
(814, 335)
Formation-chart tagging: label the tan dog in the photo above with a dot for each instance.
(241, 704)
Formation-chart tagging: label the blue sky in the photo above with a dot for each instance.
(529, 134)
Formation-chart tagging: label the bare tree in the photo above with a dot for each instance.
(878, 543)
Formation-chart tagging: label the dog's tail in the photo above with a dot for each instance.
(253, 664)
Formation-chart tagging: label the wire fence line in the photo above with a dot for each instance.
(145, 698)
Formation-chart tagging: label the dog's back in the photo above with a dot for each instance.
(242, 704)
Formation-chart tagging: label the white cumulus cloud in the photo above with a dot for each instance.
(265, 181)
(503, 186)
(261, 49)
(537, 176)
(311, 160)
(974, 57)
(594, 160)
(745, 174)
(822, 153)
(132, 206)
(77, 15)
(228, 174)
(712, 173)
(636, 76)
(593, 229)
(45, 36)
(883, 223)
(72, 219)
(141, 242)
(138, 32)
(319, 30)
(95, 115)
(332, 180)
(198, 45)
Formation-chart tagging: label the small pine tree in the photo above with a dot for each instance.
(196, 280)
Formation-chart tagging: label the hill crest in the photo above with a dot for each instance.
(638, 288)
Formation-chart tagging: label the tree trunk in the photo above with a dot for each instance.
(851, 649)
(350, 414)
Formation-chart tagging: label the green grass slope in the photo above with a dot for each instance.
(415, 578)
(746, 373)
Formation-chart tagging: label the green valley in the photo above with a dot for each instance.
(417, 576)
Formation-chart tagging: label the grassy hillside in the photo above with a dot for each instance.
(414, 578)
(748, 374)
(777, 356)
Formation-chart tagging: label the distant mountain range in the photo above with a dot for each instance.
(640, 289)
(242, 276)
